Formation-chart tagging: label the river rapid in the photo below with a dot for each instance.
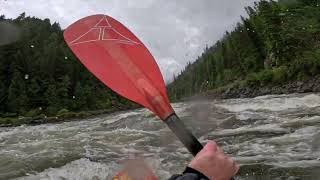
(272, 137)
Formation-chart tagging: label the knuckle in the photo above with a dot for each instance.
(212, 156)
(222, 159)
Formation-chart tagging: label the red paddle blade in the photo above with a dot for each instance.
(120, 60)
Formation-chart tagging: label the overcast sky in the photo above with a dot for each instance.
(175, 31)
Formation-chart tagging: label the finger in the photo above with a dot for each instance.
(211, 146)
(237, 168)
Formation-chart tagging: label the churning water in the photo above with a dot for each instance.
(272, 137)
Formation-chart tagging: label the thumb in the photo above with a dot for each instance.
(211, 146)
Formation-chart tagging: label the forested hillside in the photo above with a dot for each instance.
(40, 75)
(277, 43)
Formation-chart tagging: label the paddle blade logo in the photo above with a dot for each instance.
(102, 31)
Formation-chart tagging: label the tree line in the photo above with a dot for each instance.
(40, 75)
(278, 42)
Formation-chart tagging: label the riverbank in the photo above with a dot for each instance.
(236, 90)
(61, 117)
(231, 91)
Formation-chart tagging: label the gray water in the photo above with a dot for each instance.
(272, 137)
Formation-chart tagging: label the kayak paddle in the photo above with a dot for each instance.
(121, 61)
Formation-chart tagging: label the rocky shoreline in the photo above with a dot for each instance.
(306, 86)
(68, 116)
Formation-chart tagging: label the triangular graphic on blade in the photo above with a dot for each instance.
(113, 35)
(103, 31)
(103, 23)
(92, 35)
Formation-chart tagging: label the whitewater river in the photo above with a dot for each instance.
(272, 137)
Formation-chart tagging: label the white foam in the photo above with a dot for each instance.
(134, 131)
(297, 164)
(267, 128)
(117, 117)
(81, 169)
(300, 135)
(271, 103)
(246, 115)
(305, 121)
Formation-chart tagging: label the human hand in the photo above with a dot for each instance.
(213, 163)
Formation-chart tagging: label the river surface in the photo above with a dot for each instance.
(272, 137)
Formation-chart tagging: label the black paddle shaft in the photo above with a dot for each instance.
(184, 135)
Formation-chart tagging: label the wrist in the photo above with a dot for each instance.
(194, 171)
